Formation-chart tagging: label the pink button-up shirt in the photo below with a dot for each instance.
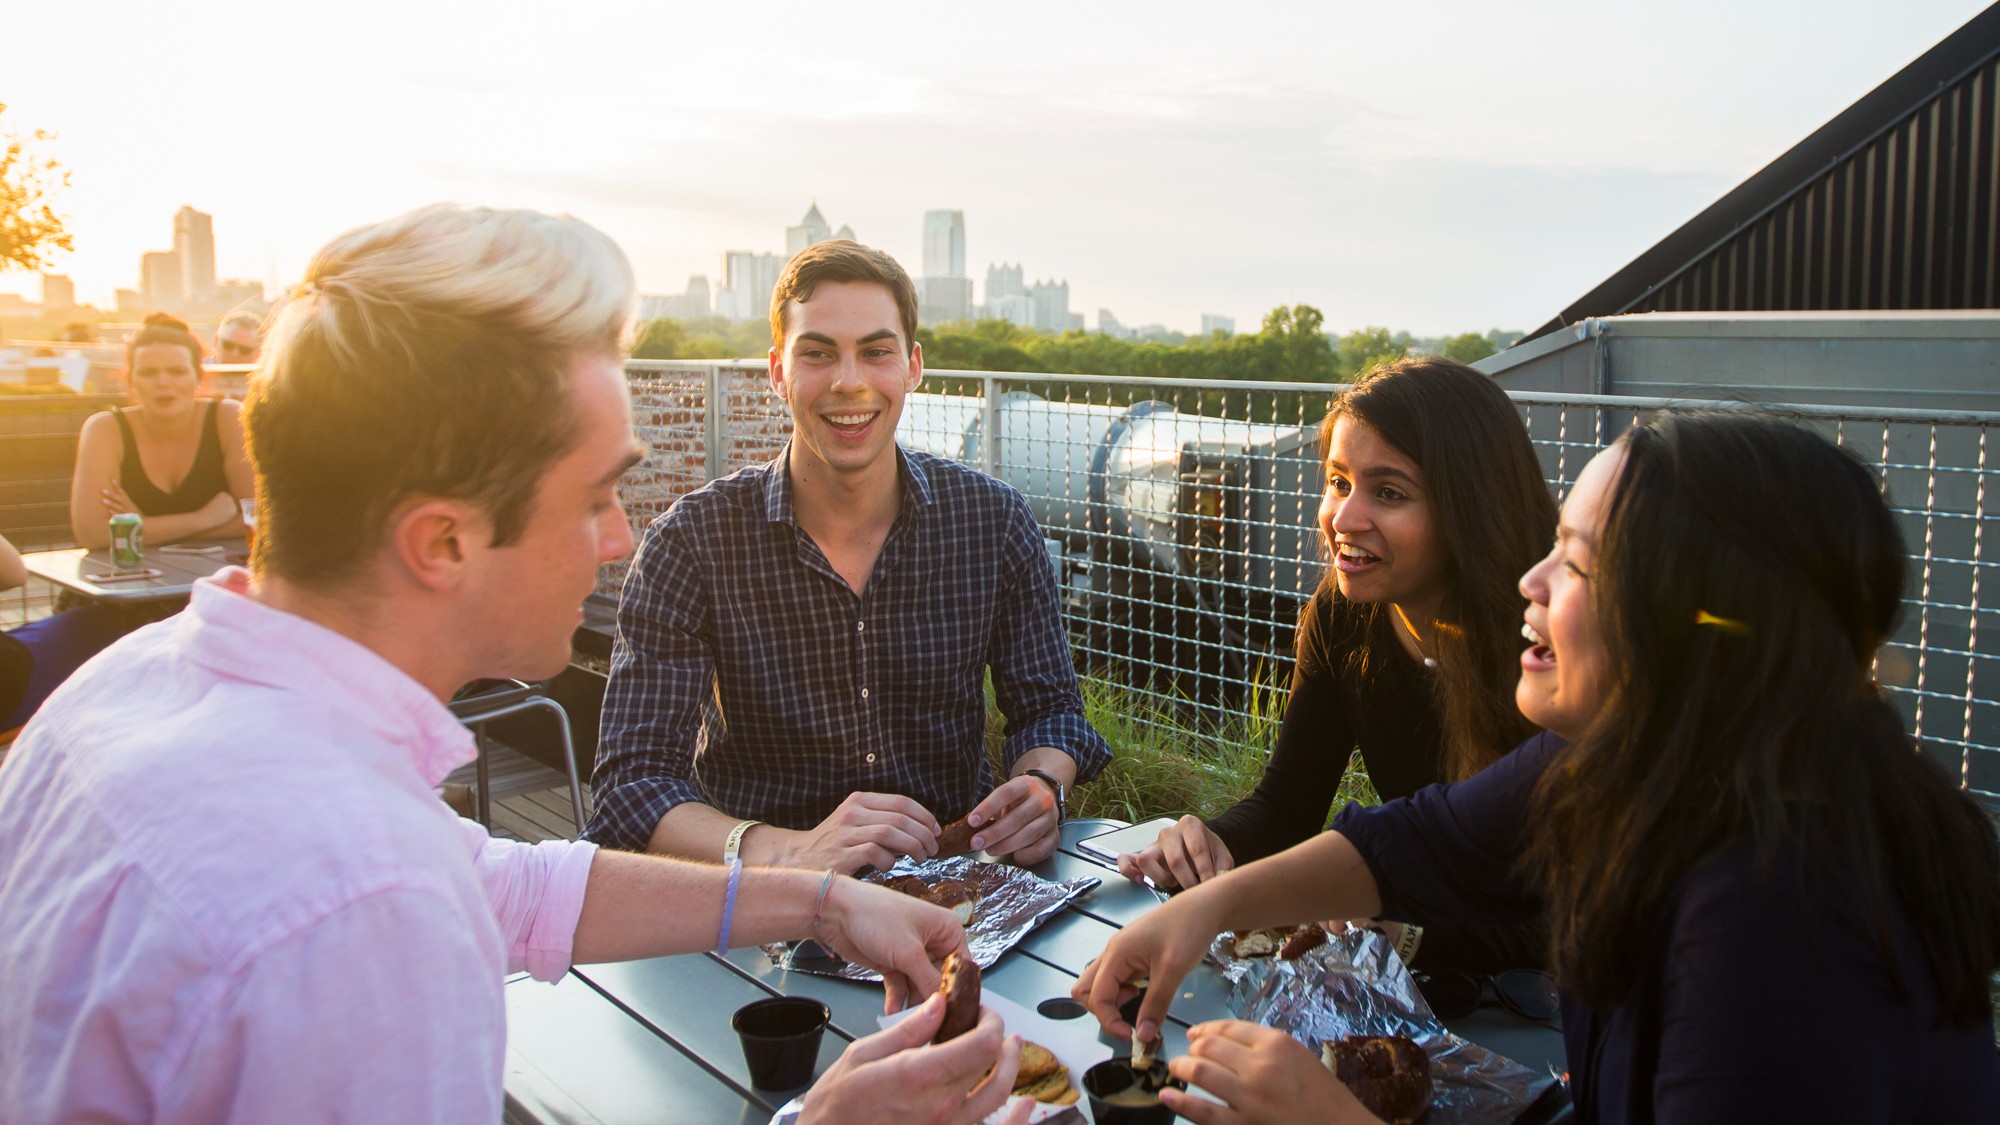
(228, 892)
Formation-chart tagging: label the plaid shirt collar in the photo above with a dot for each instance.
(778, 488)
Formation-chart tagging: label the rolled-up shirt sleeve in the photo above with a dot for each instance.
(662, 668)
(1448, 855)
(1034, 675)
(536, 893)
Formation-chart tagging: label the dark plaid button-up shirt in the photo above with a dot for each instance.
(749, 677)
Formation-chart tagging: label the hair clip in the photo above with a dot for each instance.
(1728, 625)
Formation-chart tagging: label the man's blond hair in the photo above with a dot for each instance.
(425, 356)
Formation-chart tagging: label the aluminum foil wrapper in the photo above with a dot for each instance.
(1008, 904)
(1356, 985)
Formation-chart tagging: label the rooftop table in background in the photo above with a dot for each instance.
(180, 566)
(650, 1041)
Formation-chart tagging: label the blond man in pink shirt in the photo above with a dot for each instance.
(230, 892)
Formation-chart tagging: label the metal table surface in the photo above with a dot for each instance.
(650, 1041)
(180, 566)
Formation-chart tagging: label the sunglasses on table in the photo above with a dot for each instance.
(1528, 993)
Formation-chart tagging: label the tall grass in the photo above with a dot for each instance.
(1162, 766)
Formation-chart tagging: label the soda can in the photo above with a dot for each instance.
(128, 545)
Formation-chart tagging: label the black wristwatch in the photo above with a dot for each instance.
(1062, 793)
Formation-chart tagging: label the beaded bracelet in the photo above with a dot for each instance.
(729, 906)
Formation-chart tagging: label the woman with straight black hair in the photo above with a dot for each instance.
(1410, 649)
(1767, 904)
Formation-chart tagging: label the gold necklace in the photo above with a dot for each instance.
(1429, 661)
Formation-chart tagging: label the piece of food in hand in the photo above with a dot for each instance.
(1303, 940)
(960, 986)
(1043, 1077)
(1144, 1050)
(955, 838)
(1390, 1074)
(911, 885)
(954, 895)
(1256, 943)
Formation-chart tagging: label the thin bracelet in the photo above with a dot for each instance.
(729, 906)
(819, 903)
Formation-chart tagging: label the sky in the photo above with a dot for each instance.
(1434, 166)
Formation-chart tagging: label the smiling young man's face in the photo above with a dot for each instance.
(844, 369)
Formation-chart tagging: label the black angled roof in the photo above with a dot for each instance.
(1894, 204)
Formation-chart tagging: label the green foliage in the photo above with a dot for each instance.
(1367, 347)
(709, 337)
(1163, 767)
(1470, 347)
(30, 230)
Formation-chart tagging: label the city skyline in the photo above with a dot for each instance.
(1453, 168)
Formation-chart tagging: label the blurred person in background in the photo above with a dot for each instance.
(174, 456)
(239, 339)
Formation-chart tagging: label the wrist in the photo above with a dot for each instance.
(765, 846)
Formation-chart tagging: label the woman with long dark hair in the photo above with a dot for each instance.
(1410, 649)
(173, 457)
(1767, 904)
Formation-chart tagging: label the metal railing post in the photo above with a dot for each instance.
(989, 425)
(714, 439)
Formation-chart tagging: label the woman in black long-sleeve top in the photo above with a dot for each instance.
(1766, 904)
(1409, 651)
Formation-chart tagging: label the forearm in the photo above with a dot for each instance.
(692, 830)
(1325, 877)
(13, 572)
(648, 906)
(198, 524)
(1050, 760)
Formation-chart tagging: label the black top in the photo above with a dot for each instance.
(1391, 714)
(204, 479)
(1759, 999)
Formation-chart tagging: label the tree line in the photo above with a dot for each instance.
(1291, 345)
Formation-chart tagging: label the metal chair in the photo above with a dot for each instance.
(483, 702)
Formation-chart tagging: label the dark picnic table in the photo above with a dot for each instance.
(650, 1041)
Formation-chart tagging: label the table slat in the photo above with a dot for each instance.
(570, 1040)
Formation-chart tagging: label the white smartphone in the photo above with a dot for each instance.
(1124, 841)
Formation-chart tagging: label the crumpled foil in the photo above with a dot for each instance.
(1009, 903)
(1356, 985)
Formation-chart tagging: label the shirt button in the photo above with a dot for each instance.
(871, 757)
(864, 693)
(860, 626)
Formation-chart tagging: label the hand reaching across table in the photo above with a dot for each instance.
(903, 938)
(1263, 1076)
(897, 1075)
(1185, 854)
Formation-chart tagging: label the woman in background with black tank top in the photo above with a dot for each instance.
(174, 458)
(1410, 650)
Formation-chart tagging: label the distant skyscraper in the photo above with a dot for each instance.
(944, 244)
(160, 280)
(1051, 301)
(811, 230)
(747, 282)
(1210, 322)
(845, 232)
(194, 242)
(1003, 281)
(58, 292)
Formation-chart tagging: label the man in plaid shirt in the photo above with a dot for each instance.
(803, 645)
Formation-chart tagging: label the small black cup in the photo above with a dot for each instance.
(781, 1040)
(1120, 1095)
